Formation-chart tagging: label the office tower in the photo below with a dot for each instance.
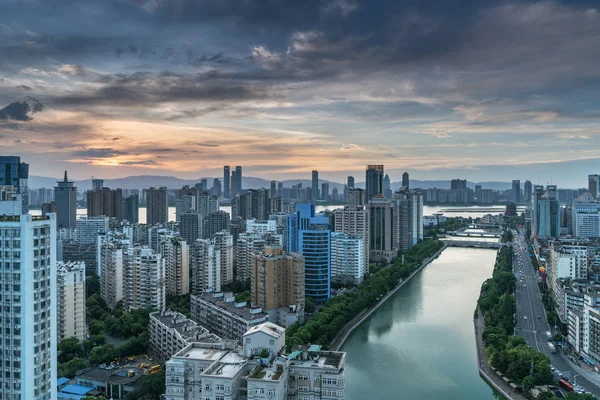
(382, 236)
(131, 209)
(238, 180)
(354, 222)
(204, 184)
(586, 216)
(325, 191)
(70, 300)
(527, 192)
(214, 222)
(350, 182)
(205, 266)
(310, 235)
(206, 204)
(405, 180)
(177, 265)
(387, 187)
(457, 184)
(516, 191)
(224, 244)
(226, 181)
(144, 279)
(593, 185)
(356, 199)
(157, 206)
(89, 227)
(65, 195)
(279, 188)
(29, 315)
(277, 279)
(546, 215)
(15, 173)
(315, 186)
(97, 184)
(273, 191)
(373, 181)
(216, 190)
(190, 226)
(334, 194)
(409, 218)
(347, 258)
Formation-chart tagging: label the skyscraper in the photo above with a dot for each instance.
(325, 191)
(273, 191)
(347, 258)
(65, 195)
(238, 179)
(105, 201)
(315, 186)
(356, 199)
(516, 191)
(387, 187)
(373, 181)
(457, 184)
(546, 215)
(29, 316)
(157, 206)
(97, 184)
(190, 226)
(527, 191)
(131, 209)
(70, 302)
(383, 243)
(226, 181)
(405, 180)
(594, 185)
(350, 182)
(15, 173)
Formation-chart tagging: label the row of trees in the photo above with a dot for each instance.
(509, 354)
(340, 310)
(451, 224)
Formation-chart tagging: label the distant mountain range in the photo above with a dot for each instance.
(171, 182)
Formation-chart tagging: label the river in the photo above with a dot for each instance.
(420, 344)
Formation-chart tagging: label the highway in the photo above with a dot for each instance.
(531, 318)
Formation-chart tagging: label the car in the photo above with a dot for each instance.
(559, 373)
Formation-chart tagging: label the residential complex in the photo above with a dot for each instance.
(70, 300)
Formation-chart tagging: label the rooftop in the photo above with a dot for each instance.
(199, 352)
(226, 301)
(228, 366)
(269, 328)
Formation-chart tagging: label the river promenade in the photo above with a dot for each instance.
(341, 337)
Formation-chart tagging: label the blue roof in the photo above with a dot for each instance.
(315, 348)
(61, 381)
(294, 355)
(69, 396)
(76, 389)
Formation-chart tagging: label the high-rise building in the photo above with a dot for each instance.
(226, 181)
(310, 235)
(350, 182)
(246, 245)
(15, 173)
(110, 270)
(190, 226)
(144, 279)
(186, 201)
(253, 204)
(70, 300)
(29, 316)
(409, 218)
(457, 184)
(175, 251)
(546, 212)
(89, 227)
(131, 208)
(405, 180)
(594, 185)
(354, 222)
(373, 181)
(387, 187)
(315, 186)
(586, 216)
(97, 184)
(157, 206)
(65, 195)
(216, 190)
(236, 181)
(205, 266)
(527, 192)
(516, 191)
(273, 191)
(325, 191)
(206, 204)
(224, 244)
(383, 241)
(214, 222)
(356, 199)
(347, 258)
(105, 202)
(277, 278)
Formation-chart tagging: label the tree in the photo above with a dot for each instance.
(580, 396)
(69, 368)
(546, 395)
(69, 348)
(528, 382)
(102, 354)
(92, 285)
(96, 327)
(309, 305)
(149, 387)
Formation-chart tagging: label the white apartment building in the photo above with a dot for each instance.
(224, 244)
(110, 267)
(171, 331)
(206, 266)
(248, 244)
(354, 222)
(219, 372)
(260, 227)
(28, 324)
(347, 258)
(590, 349)
(144, 282)
(175, 251)
(89, 227)
(566, 261)
(586, 216)
(70, 302)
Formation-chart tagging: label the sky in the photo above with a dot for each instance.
(475, 89)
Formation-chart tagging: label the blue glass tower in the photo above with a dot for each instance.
(311, 235)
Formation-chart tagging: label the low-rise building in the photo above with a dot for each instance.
(223, 316)
(171, 331)
(114, 383)
(70, 304)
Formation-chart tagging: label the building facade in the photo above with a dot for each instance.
(70, 301)
(347, 258)
(65, 196)
(157, 206)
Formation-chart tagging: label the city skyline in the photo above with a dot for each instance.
(327, 85)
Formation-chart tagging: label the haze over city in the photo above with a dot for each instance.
(474, 89)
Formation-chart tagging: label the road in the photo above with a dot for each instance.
(531, 317)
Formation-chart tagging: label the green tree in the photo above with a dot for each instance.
(149, 387)
(309, 305)
(528, 382)
(69, 368)
(102, 354)
(580, 396)
(69, 348)
(96, 327)
(92, 286)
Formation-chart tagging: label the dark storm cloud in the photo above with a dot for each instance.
(105, 152)
(21, 110)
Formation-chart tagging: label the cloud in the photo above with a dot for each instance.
(141, 162)
(105, 152)
(68, 69)
(342, 7)
(21, 110)
(23, 87)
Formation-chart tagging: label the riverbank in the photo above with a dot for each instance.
(341, 337)
(483, 363)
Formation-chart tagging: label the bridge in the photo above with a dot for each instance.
(473, 244)
(475, 234)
